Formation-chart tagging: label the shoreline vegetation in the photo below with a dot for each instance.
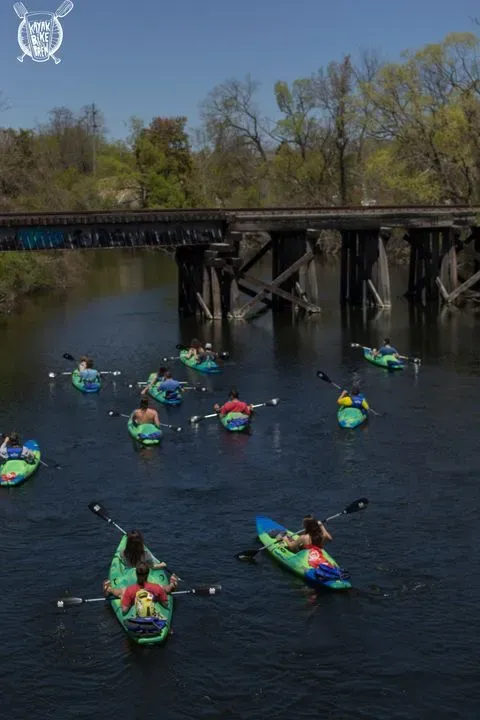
(354, 132)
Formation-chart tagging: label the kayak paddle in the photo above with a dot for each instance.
(101, 512)
(221, 355)
(360, 504)
(52, 464)
(67, 356)
(414, 360)
(269, 403)
(202, 590)
(324, 376)
(184, 385)
(114, 413)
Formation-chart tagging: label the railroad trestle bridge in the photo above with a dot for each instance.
(214, 278)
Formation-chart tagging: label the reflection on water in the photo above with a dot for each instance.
(378, 652)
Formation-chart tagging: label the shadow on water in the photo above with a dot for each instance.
(267, 646)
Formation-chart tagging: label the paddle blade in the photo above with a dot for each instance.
(273, 402)
(67, 356)
(113, 413)
(52, 374)
(246, 555)
(196, 418)
(99, 510)
(323, 376)
(209, 590)
(360, 504)
(355, 345)
(65, 602)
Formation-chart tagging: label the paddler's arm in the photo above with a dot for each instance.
(109, 590)
(325, 534)
(344, 399)
(156, 419)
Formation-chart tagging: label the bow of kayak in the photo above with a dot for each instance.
(146, 434)
(235, 421)
(83, 386)
(209, 367)
(390, 362)
(316, 567)
(145, 631)
(349, 417)
(15, 472)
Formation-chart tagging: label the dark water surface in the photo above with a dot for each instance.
(402, 644)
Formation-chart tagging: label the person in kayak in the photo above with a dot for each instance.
(159, 377)
(128, 594)
(314, 536)
(89, 375)
(195, 350)
(207, 353)
(82, 365)
(172, 388)
(13, 449)
(234, 404)
(354, 399)
(145, 415)
(135, 552)
(386, 349)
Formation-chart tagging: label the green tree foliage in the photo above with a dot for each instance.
(352, 132)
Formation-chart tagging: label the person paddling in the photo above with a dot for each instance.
(158, 378)
(387, 349)
(233, 405)
(12, 448)
(82, 365)
(195, 350)
(315, 536)
(172, 388)
(89, 375)
(145, 415)
(135, 552)
(207, 354)
(354, 399)
(129, 594)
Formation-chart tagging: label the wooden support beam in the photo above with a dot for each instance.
(269, 288)
(277, 281)
(253, 259)
(442, 288)
(204, 306)
(377, 297)
(463, 287)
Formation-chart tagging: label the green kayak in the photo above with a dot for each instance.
(146, 631)
(390, 362)
(235, 421)
(161, 396)
(85, 386)
(349, 417)
(207, 366)
(315, 566)
(146, 434)
(15, 472)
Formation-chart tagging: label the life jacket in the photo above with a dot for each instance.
(14, 452)
(144, 604)
(388, 350)
(357, 401)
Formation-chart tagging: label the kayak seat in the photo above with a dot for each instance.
(145, 626)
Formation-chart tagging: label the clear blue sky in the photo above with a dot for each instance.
(150, 58)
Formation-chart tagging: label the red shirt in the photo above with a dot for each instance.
(128, 597)
(235, 406)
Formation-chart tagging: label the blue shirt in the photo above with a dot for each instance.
(170, 385)
(388, 350)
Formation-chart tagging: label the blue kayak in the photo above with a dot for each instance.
(315, 566)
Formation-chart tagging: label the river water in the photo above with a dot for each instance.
(401, 644)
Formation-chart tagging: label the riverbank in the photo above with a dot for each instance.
(25, 274)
